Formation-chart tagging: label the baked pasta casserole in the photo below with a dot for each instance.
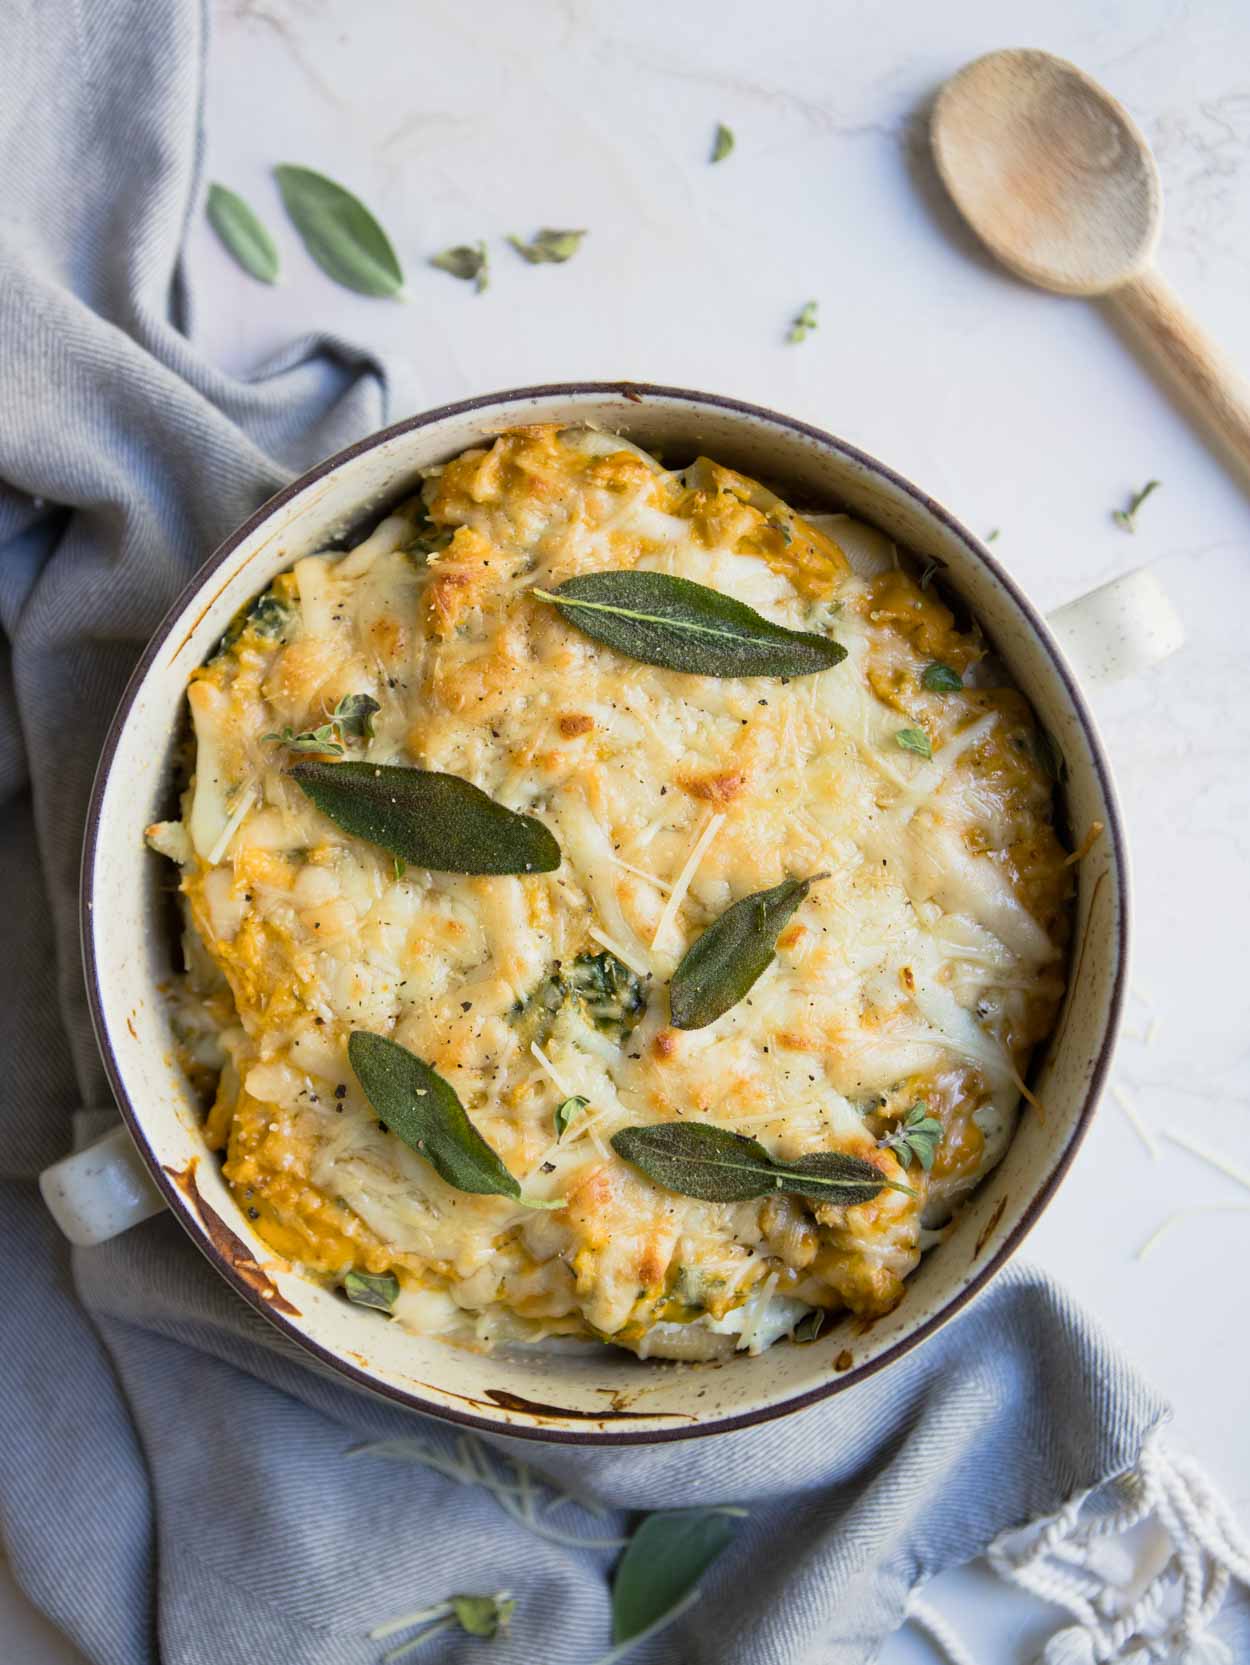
(651, 1079)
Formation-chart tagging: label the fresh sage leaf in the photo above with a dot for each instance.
(1050, 758)
(339, 232)
(415, 1103)
(731, 955)
(914, 740)
(243, 234)
(683, 626)
(916, 1138)
(941, 679)
(432, 820)
(1126, 519)
(354, 715)
(568, 1113)
(804, 324)
(723, 142)
(372, 1289)
(810, 1326)
(467, 261)
(323, 739)
(482, 1615)
(696, 1159)
(663, 1563)
(550, 247)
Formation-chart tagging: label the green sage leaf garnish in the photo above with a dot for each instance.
(243, 234)
(719, 968)
(415, 1103)
(550, 247)
(916, 1138)
(354, 715)
(696, 1159)
(567, 1113)
(723, 142)
(372, 1289)
(1126, 519)
(323, 739)
(467, 261)
(1050, 758)
(941, 679)
(683, 626)
(663, 1563)
(432, 820)
(339, 232)
(804, 324)
(914, 740)
(810, 1326)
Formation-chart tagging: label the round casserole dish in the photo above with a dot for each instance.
(606, 1396)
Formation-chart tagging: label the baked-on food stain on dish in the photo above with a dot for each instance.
(233, 1250)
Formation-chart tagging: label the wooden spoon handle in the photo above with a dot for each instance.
(1195, 363)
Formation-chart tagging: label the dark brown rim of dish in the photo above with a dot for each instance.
(631, 393)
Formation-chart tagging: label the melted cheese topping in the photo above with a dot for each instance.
(924, 967)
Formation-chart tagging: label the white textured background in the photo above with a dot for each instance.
(457, 121)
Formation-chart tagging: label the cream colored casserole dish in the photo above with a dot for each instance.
(382, 614)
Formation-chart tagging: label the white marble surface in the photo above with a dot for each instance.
(1019, 410)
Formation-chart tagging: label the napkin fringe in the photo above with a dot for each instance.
(1077, 1560)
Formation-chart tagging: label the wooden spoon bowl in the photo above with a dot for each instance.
(1059, 183)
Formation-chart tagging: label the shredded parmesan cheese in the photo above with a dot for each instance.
(1136, 1123)
(681, 884)
(238, 814)
(1174, 1219)
(1196, 1147)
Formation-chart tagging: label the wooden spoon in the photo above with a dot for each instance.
(1054, 176)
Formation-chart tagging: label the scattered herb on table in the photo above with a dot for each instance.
(941, 679)
(372, 1289)
(804, 323)
(916, 1138)
(483, 1616)
(567, 1113)
(723, 143)
(730, 957)
(244, 236)
(468, 261)
(415, 1103)
(432, 820)
(549, 247)
(914, 740)
(515, 1486)
(339, 232)
(683, 626)
(696, 1159)
(994, 535)
(1126, 519)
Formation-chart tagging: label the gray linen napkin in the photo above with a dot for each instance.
(175, 1481)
